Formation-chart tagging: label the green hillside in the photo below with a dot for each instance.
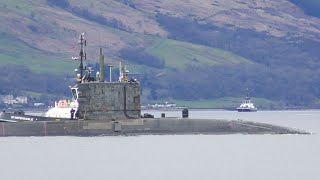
(14, 51)
(178, 54)
(186, 51)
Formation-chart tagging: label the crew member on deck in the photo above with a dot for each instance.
(77, 114)
(78, 78)
(72, 113)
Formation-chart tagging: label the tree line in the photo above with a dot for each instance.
(18, 80)
(293, 87)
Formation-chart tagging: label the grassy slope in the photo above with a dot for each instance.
(175, 53)
(20, 7)
(178, 54)
(14, 51)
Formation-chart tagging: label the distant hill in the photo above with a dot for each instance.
(204, 50)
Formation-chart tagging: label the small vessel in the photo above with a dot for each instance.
(60, 112)
(63, 108)
(247, 105)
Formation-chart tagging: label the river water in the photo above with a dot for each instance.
(178, 157)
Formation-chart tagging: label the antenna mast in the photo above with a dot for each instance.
(83, 55)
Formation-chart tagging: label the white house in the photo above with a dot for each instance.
(22, 100)
(8, 99)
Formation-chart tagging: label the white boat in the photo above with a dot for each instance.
(247, 105)
(62, 109)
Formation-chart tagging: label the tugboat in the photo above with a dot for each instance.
(60, 112)
(62, 108)
(247, 105)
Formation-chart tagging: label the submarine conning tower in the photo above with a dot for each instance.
(109, 100)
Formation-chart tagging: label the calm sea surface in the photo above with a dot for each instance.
(178, 157)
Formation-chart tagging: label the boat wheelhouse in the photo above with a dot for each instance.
(247, 105)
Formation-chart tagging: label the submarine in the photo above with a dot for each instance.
(114, 109)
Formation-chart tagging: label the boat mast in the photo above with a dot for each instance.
(248, 94)
(83, 55)
(120, 70)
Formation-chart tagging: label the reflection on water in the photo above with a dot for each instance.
(185, 157)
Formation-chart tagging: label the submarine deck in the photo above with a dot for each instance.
(161, 126)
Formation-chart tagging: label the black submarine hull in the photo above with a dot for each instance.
(143, 126)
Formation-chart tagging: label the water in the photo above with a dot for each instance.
(179, 157)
